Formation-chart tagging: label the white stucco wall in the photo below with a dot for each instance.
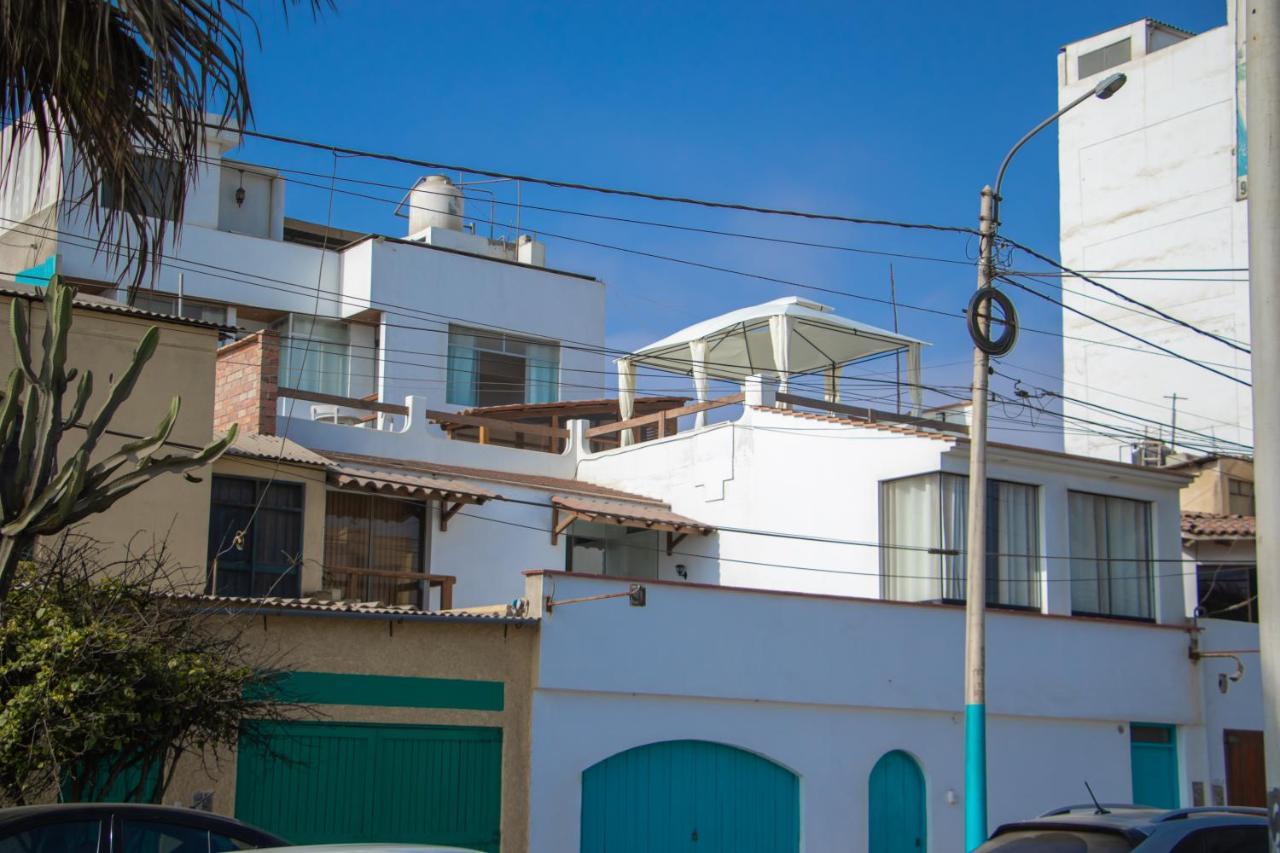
(1148, 181)
(825, 686)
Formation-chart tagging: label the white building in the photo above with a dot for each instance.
(793, 678)
(1155, 181)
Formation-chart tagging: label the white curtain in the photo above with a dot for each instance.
(698, 370)
(913, 377)
(833, 384)
(909, 526)
(1016, 549)
(954, 506)
(626, 395)
(780, 336)
(1110, 555)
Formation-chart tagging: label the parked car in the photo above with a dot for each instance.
(125, 828)
(1121, 828)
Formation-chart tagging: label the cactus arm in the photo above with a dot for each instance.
(84, 390)
(121, 389)
(20, 331)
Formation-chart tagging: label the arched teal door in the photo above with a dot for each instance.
(896, 820)
(689, 796)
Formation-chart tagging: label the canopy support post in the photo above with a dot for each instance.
(698, 370)
(780, 337)
(626, 397)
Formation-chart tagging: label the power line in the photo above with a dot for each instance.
(1121, 295)
(1166, 350)
(571, 185)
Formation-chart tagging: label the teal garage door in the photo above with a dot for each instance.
(896, 806)
(1153, 758)
(689, 796)
(334, 782)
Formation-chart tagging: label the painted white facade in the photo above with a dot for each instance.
(1148, 181)
(402, 295)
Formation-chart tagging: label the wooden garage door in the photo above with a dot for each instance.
(689, 796)
(337, 782)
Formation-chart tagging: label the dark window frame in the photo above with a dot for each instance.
(1244, 607)
(288, 578)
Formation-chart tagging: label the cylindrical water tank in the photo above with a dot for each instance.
(435, 202)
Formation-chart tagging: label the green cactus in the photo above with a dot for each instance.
(40, 496)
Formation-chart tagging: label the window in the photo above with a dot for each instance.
(150, 836)
(155, 196)
(489, 368)
(368, 541)
(1226, 839)
(267, 562)
(1097, 61)
(327, 356)
(1227, 591)
(1110, 555)
(1239, 496)
(609, 549)
(1057, 841)
(924, 526)
(192, 309)
(61, 836)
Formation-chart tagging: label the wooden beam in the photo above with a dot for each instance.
(559, 525)
(447, 420)
(673, 540)
(645, 420)
(348, 402)
(448, 512)
(873, 415)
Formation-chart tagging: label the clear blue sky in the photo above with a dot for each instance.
(887, 110)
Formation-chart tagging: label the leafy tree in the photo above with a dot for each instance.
(39, 496)
(94, 82)
(106, 680)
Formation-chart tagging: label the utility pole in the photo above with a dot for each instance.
(980, 314)
(1173, 419)
(1262, 120)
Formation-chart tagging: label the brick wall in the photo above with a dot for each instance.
(247, 384)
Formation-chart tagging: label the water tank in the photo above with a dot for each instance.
(435, 202)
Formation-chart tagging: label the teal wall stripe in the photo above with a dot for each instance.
(392, 691)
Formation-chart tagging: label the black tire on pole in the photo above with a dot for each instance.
(980, 305)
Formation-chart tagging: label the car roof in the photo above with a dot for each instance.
(1126, 818)
(137, 811)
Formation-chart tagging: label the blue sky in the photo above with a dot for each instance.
(886, 110)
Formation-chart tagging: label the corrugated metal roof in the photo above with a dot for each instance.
(1209, 525)
(304, 606)
(272, 447)
(488, 475)
(630, 513)
(88, 302)
(407, 484)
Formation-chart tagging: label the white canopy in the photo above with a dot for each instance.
(789, 337)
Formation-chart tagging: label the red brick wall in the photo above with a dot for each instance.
(247, 381)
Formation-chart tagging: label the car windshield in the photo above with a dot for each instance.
(1056, 841)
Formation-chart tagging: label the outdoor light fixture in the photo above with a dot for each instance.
(1108, 87)
(240, 193)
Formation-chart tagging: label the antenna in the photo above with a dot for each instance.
(1098, 809)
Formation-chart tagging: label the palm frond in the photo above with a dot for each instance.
(121, 94)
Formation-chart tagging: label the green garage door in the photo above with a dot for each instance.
(333, 782)
(689, 796)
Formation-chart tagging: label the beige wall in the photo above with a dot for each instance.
(1208, 491)
(337, 644)
(313, 481)
(170, 507)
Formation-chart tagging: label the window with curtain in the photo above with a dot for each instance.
(1110, 555)
(490, 368)
(369, 540)
(315, 355)
(268, 561)
(924, 528)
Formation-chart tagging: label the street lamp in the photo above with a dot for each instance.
(975, 608)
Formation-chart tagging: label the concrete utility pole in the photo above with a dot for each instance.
(1173, 419)
(975, 603)
(1262, 120)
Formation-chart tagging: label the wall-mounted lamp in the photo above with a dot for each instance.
(240, 193)
(682, 571)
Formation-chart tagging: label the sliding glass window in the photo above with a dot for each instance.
(1110, 555)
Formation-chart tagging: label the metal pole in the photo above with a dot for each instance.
(1262, 84)
(975, 592)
